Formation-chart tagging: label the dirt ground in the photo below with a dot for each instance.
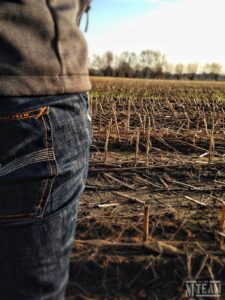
(181, 178)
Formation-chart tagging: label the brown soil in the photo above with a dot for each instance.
(182, 181)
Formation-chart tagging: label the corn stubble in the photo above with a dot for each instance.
(156, 185)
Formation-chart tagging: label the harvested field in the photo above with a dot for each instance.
(153, 212)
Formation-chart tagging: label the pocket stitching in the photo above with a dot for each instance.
(31, 158)
(49, 164)
(41, 112)
(25, 115)
(46, 141)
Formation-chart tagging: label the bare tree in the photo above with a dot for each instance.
(153, 62)
(215, 69)
(192, 70)
(104, 63)
(179, 70)
(127, 64)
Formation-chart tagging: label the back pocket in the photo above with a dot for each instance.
(27, 164)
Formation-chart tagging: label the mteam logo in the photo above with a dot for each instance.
(203, 288)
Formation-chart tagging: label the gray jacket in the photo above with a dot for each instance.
(42, 50)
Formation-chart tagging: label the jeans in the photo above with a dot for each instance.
(44, 153)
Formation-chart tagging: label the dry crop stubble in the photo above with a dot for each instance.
(157, 144)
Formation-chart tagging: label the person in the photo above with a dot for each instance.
(45, 136)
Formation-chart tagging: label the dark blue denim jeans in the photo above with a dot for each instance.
(44, 153)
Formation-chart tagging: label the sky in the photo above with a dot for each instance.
(187, 31)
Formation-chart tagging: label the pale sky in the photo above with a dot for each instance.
(185, 30)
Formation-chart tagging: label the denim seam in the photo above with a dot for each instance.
(67, 207)
(42, 197)
(52, 140)
(25, 115)
(32, 213)
(84, 119)
(49, 167)
(56, 166)
(18, 215)
(46, 141)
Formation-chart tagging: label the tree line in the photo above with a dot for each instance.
(151, 64)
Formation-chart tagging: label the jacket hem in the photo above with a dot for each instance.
(13, 86)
